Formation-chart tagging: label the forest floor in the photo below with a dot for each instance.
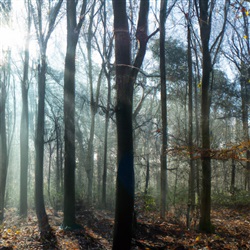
(232, 231)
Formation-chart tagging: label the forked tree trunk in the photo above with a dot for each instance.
(43, 38)
(125, 79)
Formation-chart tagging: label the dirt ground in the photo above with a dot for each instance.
(232, 231)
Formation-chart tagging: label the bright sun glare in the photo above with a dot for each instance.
(10, 39)
(11, 36)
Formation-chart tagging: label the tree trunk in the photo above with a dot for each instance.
(3, 146)
(73, 30)
(106, 59)
(90, 152)
(245, 117)
(147, 174)
(125, 173)
(232, 186)
(105, 166)
(43, 38)
(205, 28)
(125, 79)
(57, 176)
(163, 109)
(24, 130)
(39, 147)
(191, 198)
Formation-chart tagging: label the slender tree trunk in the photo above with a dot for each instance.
(39, 147)
(73, 30)
(190, 122)
(3, 146)
(105, 162)
(205, 28)
(163, 109)
(57, 176)
(147, 174)
(43, 38)
(90, 152)
(233, 170)
(24, 135)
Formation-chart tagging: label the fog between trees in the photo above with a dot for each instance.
(78, 100)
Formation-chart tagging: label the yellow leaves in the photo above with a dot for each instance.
(9, 231)
(198, 238)
(199, 85)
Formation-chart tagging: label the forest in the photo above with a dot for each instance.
(124, 124)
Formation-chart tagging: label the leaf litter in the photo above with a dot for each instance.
(232, 231)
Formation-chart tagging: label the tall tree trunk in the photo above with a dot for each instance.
(232, 185)
(24, 134)
(43, 38)
(205, 28)
(57, 176)
(90, 152)
(73, 30)
(125, 79)
(125, 173)
(39, 147)
(3, 145)
(191, 198)
(163, 109)
(105, 162)
(107, 71)
(244, 117)
(147, 174)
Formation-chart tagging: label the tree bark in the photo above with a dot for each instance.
(245, 117)
(125, 79)
(90, 152)
(191, 199)
(24, 135)
(43, 38)
(73, 30)
(205, 29)
(3, 145)
(163, 109)
(125, 173)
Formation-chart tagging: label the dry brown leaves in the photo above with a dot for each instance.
(232, 232)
